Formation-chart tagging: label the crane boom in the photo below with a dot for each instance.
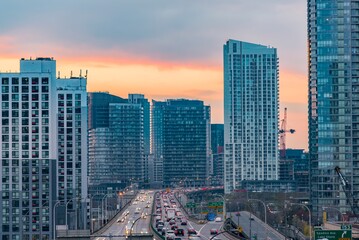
(282, 135)
(348, 192)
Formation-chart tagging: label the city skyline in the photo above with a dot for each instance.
(163, 50)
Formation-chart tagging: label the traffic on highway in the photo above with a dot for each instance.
(135, 217)
(172, 223)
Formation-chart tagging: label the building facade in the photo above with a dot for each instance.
(333, 38)
(119, 140)
(250, 113)
(182, 126)
(42, 136)
(217, 145)
(72, 149)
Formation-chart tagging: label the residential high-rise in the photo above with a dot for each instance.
(180, 138)
(333, 38)
(101, 162)
(72, 130)
(250, 113)
(44, 128)
(157, 140)
(217, 144)
(119, 140)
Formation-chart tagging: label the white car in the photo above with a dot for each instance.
(170, 235)
(218, 219)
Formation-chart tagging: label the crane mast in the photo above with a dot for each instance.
(282, 135)
(348, 192)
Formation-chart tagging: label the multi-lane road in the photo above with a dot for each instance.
(137, 216)
(201, 231)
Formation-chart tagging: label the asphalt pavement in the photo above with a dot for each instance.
(138, 212)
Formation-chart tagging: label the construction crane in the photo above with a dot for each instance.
(282, 135)
(348, 193)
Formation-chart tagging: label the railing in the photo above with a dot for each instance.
(154, 230)
(72, 233)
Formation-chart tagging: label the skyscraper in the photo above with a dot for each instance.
(250, 113)
(119, 139)
(217, 144)
(44, 157)
(72, 131)
(180, 139)
(333, 37)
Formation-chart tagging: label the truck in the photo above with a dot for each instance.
(171, 213)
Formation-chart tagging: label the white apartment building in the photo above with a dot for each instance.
(34, 175)
(250, 113)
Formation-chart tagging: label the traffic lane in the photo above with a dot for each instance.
(120, 228)
(204, 230)
(256, 227)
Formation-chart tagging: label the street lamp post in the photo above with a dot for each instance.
(98, 215)
(104, 213)
(224, 206)
(54, 219)
(67, 203)
(265, 213)
(341, 214)
(310, 218)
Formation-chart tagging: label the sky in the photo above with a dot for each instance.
(161, 48)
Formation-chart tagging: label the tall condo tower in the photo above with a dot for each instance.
(333, 37)
(44, 150)
(180, 141)
(250, 113)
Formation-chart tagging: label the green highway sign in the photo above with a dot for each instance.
(191, 205)
(215, 204)
(332, 235)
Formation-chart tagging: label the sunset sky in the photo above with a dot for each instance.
(161, 48)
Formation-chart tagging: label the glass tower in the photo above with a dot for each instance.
(180, 141)
(333, 38)
(250, 113)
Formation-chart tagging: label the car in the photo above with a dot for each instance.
(160, 223)
(174, 227)
(194, 237)
(172, 222)
(179, 232)
(213, 231)
(147, 206)
(144, 230)
(183, 222)
(251, 218)
(191, 231)
(218, 219)
(159, 228)
(170, 235)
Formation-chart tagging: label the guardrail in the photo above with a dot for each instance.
(113, 219)
(154, 230)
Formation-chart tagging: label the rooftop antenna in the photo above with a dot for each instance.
(86, 74)
(58, 74)
(80, 73)
(71, 75)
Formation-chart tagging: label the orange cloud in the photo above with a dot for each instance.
(163, 80)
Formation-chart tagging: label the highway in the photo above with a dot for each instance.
(138, 211)
(256, 227)
(203, 231)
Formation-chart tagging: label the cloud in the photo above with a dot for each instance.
(179, 31)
